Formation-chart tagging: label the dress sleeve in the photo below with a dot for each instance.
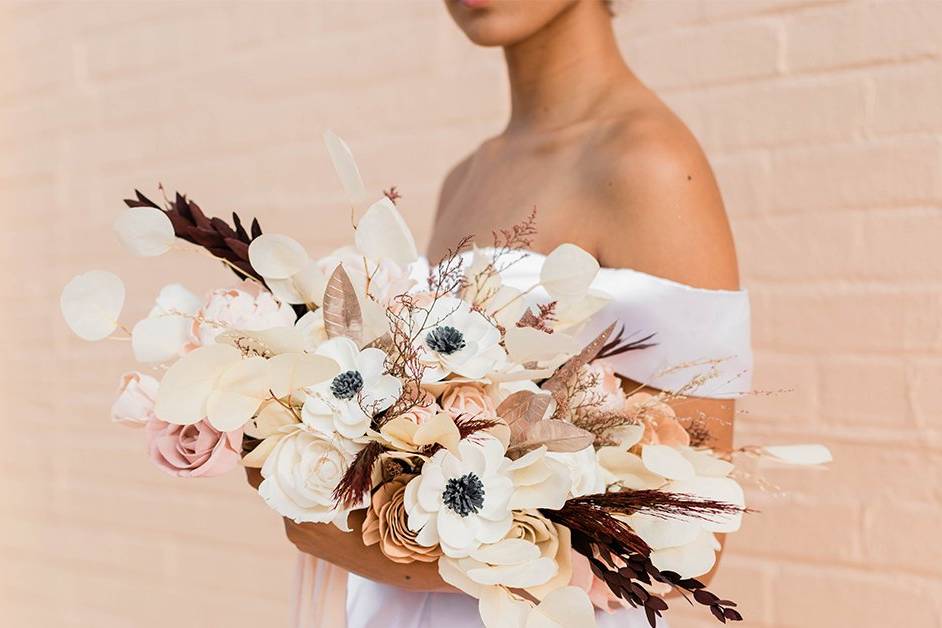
(701, 336)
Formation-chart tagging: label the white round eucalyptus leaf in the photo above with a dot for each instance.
(277, 256)
(568, 272)
(146, 231)
(91, 303)
(799, 454)
(383, 234)
(346, 167)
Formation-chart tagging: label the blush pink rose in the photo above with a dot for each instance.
(137, 395)
(467, 399)
(197, 450)
(246, 308)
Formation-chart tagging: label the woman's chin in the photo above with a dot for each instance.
(501, 22)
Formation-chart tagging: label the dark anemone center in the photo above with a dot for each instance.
(346, 385)
(464, 495)
(445, 340)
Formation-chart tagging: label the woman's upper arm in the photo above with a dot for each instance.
(666, 212)
(668, 220)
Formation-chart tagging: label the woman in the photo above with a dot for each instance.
(611, 169)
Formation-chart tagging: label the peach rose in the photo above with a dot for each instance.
(137, 395)
(385, 524)
(246, 308)
(661, 426)
(467, 399)
(607, 394)
(197, 450)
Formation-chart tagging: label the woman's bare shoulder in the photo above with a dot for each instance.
(654, 187)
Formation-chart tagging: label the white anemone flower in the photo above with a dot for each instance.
(457, 339)
(463, 501)
(347, 403)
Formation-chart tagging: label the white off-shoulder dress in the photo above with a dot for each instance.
(696, 331)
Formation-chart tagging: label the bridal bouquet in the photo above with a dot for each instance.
(465, 416)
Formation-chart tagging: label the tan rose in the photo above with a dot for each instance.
(553, 541)
(661, 426)
(385, 524)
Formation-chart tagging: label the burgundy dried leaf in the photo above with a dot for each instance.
(239, 229)
(222, 228)
(732, 614)
(620, 344)
(718, 613)
(657, 603)
(651, 615)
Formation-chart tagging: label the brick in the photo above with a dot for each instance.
(746, 581)
(863, 33)
(923, 376)
(877, 174)
(725, 9)
(798, 248)
(777, 114)
(794, 518)
(829, 596)
(815, 320)
(898, 536)
(906, 99)
(743, 178)
(786, 390)
(882, 391)
(880, 257)
(706, 55)
(652, 16)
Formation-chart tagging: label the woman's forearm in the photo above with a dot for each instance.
(346, 550)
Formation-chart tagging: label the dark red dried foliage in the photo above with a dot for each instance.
(621, 559)
(358, 479)
(230, 243)
(619, 344)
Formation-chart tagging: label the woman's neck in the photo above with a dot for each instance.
(559, 75)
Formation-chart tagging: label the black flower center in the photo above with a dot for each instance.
(445, 340)
(464, 495)
(346, 385)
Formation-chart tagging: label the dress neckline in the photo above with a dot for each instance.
(609, 273)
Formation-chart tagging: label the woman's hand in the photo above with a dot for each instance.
(346, 550)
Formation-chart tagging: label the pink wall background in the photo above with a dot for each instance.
(823, 121)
